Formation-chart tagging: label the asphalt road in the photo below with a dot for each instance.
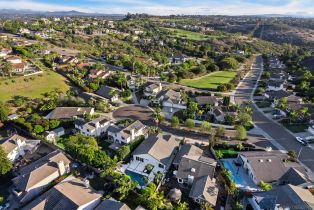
(276, 131)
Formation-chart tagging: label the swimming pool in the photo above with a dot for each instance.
(136, 177)
(234, 176)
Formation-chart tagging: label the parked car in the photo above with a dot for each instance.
(301, 141)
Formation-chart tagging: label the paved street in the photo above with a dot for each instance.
(274, 130)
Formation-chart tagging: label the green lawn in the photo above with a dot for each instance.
(227, 153)
(40, 84)
(196, 36)
(211, 81)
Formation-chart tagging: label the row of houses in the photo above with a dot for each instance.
(31, 186)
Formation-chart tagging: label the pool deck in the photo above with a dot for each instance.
(247, 183)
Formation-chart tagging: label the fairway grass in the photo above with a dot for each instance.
(49, 81)
(196, 36)
(211, 81)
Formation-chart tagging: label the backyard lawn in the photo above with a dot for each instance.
(211, 81)
(196, 36)
(34, 87)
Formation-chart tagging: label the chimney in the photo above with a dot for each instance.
(61, 167)
(86, 182)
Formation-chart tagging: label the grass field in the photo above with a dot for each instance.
(48, 81)
(196, 36)
(210, 81)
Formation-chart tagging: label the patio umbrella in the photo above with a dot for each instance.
(175, 195)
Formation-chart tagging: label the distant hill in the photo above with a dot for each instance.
(72, 13)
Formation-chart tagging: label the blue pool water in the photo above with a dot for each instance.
(136, 177)
(234, 176)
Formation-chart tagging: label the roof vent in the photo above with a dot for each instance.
(193, 170)
(261, 160)
(78, 109)
(269, 160)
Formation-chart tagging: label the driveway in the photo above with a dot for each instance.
(279, 136)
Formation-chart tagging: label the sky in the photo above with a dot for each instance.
(168, 7)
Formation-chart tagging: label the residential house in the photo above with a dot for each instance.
(101, 74)
(86, 96)
(204, 190)
(198, 172)
(110, 93)
(18, 64)
(207, 100)
(52, 136)
(275, 85)
(294, 103)
(70, 194)
(69, 112)
(96, 127)
(171, 102)
(127, 134)
(221, 112)
(63, 59)
(259, 164)
(112, 204)
(34, 178)
(177, 60)
(14, 147)
(282, 197)
(158, 151)
(277, 95)
(194, 165)
(152, 89)
(5, 51)
(22, 43)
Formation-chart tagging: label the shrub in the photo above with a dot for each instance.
(190, 123)
(174, 121)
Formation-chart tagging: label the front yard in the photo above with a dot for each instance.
(296, 128)
(211, 81)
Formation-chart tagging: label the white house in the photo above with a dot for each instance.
(4, 52)
(14, 146)
(96, 127)
(52, 135)
(125, 135)
(171, 102)
(275, 85)
(152, 89)
(158, 151)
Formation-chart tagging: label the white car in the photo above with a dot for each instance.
(301, 140)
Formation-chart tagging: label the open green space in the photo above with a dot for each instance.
(184, 34)
(32, 86)
(211, 81)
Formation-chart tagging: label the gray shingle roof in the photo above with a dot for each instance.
(112, 204)
(69, 112)
(158, 146)
(205, 189)
(287, 196)
(263, 163)
(105, 91)
(69, 194)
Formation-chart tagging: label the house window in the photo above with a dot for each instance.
(160, 165)
(139, 159)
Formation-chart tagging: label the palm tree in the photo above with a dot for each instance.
(7, 68)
